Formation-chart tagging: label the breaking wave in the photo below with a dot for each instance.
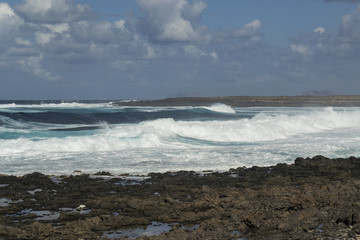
(222, 108)
(130, 139)
(168, 132)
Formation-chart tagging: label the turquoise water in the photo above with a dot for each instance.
(60, 137)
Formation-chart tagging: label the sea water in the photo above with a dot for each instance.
(60, 137)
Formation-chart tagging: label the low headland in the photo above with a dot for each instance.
(252, 101)
(313, 198)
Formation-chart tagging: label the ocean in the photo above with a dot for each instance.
(60, 137)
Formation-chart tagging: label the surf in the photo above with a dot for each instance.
(160, 132)
(160, 139)
(221, 108)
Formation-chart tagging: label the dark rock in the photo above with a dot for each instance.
(103, 173)
(314, 198)
(356, 228)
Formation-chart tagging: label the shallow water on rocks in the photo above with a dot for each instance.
(154, 229)
(75, 210)
(41, 215)
(5, 202)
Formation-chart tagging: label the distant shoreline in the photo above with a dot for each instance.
(253, 101)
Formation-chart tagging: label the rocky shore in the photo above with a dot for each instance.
(252, 101)
(314, 198)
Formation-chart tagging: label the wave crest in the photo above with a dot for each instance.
(221, 108)
(168, 133)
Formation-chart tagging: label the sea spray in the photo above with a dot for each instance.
(60, 138)
(222, 108)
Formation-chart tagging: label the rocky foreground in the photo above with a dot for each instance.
(314, 198)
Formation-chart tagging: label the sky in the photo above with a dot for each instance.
(153, 49)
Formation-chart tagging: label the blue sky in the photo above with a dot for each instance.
(150, 49)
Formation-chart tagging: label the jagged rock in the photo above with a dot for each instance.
(314, 198)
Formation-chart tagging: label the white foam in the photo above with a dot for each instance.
(222, 108)
(11, 122)
(262, 127)
(56, 105)
(165, 133)
(166, 144)
(160, 109)
(11, 105)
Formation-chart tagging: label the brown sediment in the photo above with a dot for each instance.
(254, 101)
(314, 198)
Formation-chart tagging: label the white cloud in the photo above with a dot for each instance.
(195, 51)
(246, 36)
(150, 52)
(193, 12)
(171, 20)
(53, 11)
(120, 24)
(43, 38)
(50, 31)
(57, 34)
(20, 52)
(33, 64)
(6, 11)
(344, 42)
(254, 25)
(178, 30)
(57, 28)
(320, 30)
(248, 30)
(349, 30)
(24, 42)
(214, 55)
(299, 48)
(9, 23)
(101, 32)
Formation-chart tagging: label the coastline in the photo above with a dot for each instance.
(313, 198)
(252, 101)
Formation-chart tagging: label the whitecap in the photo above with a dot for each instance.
(222, 108)
(166, 144)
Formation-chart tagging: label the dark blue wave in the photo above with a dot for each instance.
(129, 115)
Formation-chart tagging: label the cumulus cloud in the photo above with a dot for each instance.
(349, 30)
(171, 20)
(60, 33)
(9, 23)
(33, 64)
(249, 30)
(320, 30)
(248, 36)
(329, 58)
(299, 48)
(101, 32)
(50, 36)
(53, 11)
(342, 43)
(30, 28)
(197, 52)
(23, 42)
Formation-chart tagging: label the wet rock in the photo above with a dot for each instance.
(103, 173)
(314, 198)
